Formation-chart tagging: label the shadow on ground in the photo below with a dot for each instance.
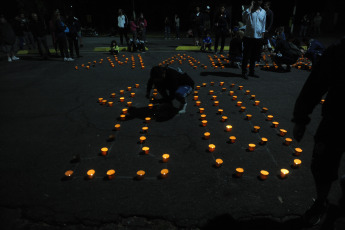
(159, 112)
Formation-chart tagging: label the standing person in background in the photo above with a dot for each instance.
(142, 24)
(222, 24)
(207, 20)
(133, 28)
(255, 21)
(122, 24)
(177, 26)
(72, 35)
(39, 31)
(167, 28)
(60, 30)
(7, 39)
(304, 26)
(197, 19)
(317, 24)
(52, 32)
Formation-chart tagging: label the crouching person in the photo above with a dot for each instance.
(171, 84)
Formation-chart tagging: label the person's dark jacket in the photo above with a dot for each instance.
(38, 28)
(284, 47)
(60, 28)
(7, 35)
(173, 79)
(223, 21)
(197, 20)
(73, 26)
(327, 76)
(269, 20)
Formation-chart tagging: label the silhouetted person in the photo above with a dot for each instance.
(122, 24)
(172, 84)
(315, 49)
(39, 31)
(7, 39)
(197, 19)
(72, 36)
(329, 137)
(222, 25)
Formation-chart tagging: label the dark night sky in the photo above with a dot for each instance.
(104, 13)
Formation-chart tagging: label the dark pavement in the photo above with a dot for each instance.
(51, 122)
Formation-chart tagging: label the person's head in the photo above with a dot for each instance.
(34, 16)
(222, 9)
(208, 8)
(157, 74)
(256, 4)
(141, 15)
(120, 11)
(197, 9)
(267, 5)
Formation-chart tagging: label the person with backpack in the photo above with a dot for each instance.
(122, 24)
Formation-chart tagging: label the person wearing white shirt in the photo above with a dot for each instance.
(122, 23)
(255, 20)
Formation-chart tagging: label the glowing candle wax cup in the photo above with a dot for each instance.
(220, 111)
(239, 172)
(129, 88)
(145, 149)
(110, 103)
(140, 174)
(251, 147)
(211, 92)
(122, 99)
(224, 118)
(129, 103)
(219, 162)
(136, 85)
(252, 96)
(212, 83)
(275, 124)
(100, 99)
(249, 116)
(111, 174)
(214, 97)
(282, 132)
(287, 141)
(104, 151)
(239, 103)
(147, 119)
(122, 117)
(228, 128)
(142, 139)
(264, 109)
(201, 110)
(117, 127)
(113, 95)
(234, 98)
(223, 89)
(165, 157)
(240, 87)
(231, 93)
(269, 117)
(256, 102)
(104, 102)
(196, 97)
(298, 151)
(198, 87)
(145, 129)
(221, 83)
(211, 147)
(197, 103)
(204, 123)
(90, 174)
(150, 106)
(124, 111)
(256, 129)
(164, 173)
(297, 163)
(132, 94)
(216, 103)
(247, 92)
(203, 116)
(69, 173)
(122, 91)
(264, 174)
(232, 139)
(207, 135)
(284, 173)
(263, 140)
(243, 108)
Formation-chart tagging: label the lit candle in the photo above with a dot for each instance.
(231, 93)
(164, 173)
(298, 151)
(90, 173)
(150, 106)
(232, 139)
(247, 92)
(147, 119)
(104, 101)
(204, 123)
(123, 117)
(228, 128)
(207, 135)
(110, 104)
(239, 103)
(142, 139)
(211, 92)
(249, 116)
(251, 147)
(122, 91)
(284, 173)
(263, 140)
(216, 103)
(198, 87)
(224, 118)
(252, 97)
(165, 157)
(117, 127)
(322, 101)
(256, 128)
(100, 99)
(264, 110)
(113, 95)
(201, 110)
(220, 111)
(124, 111)
(239, 172)
(297, 163)
(145, 149)
(223, 89)
(234, 98)
(214, 97)
(211, 147)
(111, 174)
(155, 90)
(197, 103)
(154, 94)
(243, 108)
(104, 151)
(196, 97)
(196, 92)
(219, 162)
(269, 117)
(203, 116)
(232, 84)
(136, 85)
(129, 103)
(282, 132)
(288, 141)
(264, 174)
(204, 84)
(76, 67)
(122, 99)
(132, 94)
(256, 102)
(69, 174)
(145, 129)
(212, 83)
(221, 83)
(240, 87)
(140, 174)
(275, 124)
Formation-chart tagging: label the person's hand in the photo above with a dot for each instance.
(298, 131)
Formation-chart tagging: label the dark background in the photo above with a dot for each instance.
(103, 14)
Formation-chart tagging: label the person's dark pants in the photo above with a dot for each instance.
(327, 154)
(251, 53)
(220, 34)
(123, 33)
(42, 45)
(73, 44)
(62, 44)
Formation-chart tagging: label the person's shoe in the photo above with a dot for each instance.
(70, 59)
(9, 59)
(65, 59)
(245, 76)
(14, 58)
(253, 75)
(315, 213)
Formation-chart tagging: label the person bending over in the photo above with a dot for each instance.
(172, 84)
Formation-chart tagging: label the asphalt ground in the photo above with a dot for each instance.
(51, 122)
